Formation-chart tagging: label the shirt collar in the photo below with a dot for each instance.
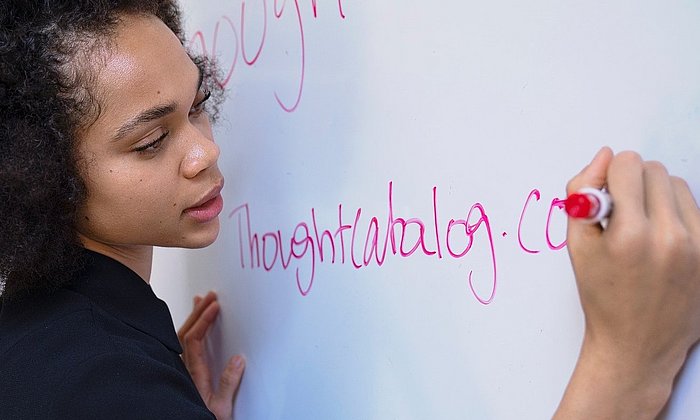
(122, 293)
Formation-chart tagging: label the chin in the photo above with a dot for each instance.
(201, 239)
(199, 245)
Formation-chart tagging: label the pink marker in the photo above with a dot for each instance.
(591, 204)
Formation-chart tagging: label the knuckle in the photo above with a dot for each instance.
(661, 248)
(672, 239)
(629, 241)
(679, 183)
(189, 339)
(573, 184)
(229, 378)
(656, 167)
(629, 157)
(673, 246)
(226, 380)
(675, 240)
(626, 161)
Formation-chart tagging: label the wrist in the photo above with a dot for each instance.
(612, 382)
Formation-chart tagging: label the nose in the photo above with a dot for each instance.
(201, 154)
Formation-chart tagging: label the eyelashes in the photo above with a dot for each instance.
(153, 146)
(199, 107)
(195, 111)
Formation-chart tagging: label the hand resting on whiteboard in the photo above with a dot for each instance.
(192, 335)
(639, 285)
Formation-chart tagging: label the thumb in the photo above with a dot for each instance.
(594, 175)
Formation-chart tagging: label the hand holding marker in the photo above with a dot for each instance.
(638, 280)
(591, 204)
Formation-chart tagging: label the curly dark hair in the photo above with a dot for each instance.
(45, 98)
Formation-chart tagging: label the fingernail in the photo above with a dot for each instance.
(238, 362)
(599, 152)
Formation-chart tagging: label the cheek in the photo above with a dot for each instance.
(127, 197)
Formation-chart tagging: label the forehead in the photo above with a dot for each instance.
(145, 65)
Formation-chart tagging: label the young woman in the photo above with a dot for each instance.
(106, 150)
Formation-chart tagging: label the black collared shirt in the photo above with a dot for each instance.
(103, 347)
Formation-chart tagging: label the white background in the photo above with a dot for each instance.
(485, 101)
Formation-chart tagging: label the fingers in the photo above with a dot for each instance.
(201, 324)
(660, 200)
(199, 368)
(192, 335)
(200, 304)
(231, 378)
(687, 206)
(626, 187)
(594, 174)
(222, 400)
(668, 200)
(640, 190)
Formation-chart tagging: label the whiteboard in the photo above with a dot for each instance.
(419, 147)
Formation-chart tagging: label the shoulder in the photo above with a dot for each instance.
(120, 384)
(66, 357)
(41, 324)
(41, 338)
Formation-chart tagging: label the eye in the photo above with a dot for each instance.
(198, 108)
(153, 146)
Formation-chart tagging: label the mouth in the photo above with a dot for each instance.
(209, 206)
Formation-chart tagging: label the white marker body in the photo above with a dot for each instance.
(604, 204)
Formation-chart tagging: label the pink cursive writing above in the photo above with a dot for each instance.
(251, 46)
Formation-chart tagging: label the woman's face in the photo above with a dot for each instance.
(149, 160)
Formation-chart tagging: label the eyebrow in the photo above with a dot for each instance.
(152, 114)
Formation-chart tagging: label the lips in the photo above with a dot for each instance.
(209, 207)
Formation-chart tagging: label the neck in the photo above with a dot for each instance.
(138, 258)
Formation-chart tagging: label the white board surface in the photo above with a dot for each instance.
(414, 113)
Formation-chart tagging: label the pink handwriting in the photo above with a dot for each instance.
(392, 235)
(240, 44)
(556, 204)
